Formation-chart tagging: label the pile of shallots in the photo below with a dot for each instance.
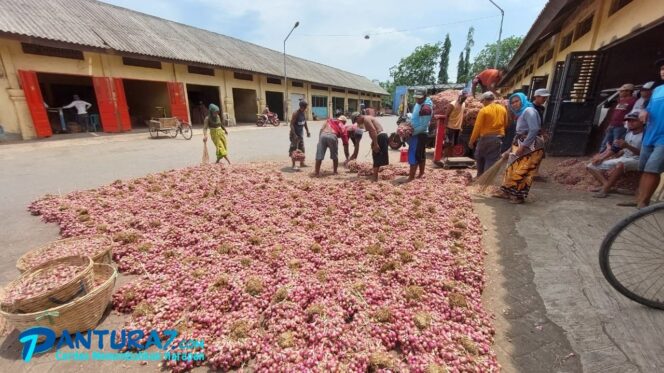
(297, 275)
(84, 246)
(42, 282)
(297, 155)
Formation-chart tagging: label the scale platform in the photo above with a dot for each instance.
(456, 162)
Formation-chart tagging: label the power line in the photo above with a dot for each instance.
(398, 31)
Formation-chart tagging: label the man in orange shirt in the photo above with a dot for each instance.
(488, 132)
(488, 80)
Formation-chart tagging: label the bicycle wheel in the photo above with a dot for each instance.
(632, 256)
(186, 131)
(154, 133)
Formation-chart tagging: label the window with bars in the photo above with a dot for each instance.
(566, 41)
(338, 90)
(319, 87)
(274, 81)
(297, 84)
(352, 92)
(243, 76)
(200, 70)
(616, 5)
(51, 51)
(540, 61)
(583, 27)
(549, 55)
(141, 63)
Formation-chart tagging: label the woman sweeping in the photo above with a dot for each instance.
(526, 153)
(217, 132)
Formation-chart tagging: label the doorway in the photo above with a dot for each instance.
(58, 91)
(245, 105)
(201, 94)
(275, 101)
(146, 99)
(338, 104)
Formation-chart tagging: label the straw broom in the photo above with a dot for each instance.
(206, 156)
(488, 178)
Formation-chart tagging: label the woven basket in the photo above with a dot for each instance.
(77, 286)
(103, 256)
(82, 314)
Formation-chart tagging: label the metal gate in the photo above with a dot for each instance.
(536, 83)
(557, 76)
(574, 108)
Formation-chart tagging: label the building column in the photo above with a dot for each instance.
(228, 94)
(18, 118)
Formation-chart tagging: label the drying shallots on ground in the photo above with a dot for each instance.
(297, 275)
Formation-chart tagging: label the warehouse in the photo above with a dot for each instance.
(578, 49)
(112, 58)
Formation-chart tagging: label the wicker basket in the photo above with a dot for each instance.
(103, 256)
(77, 286)
(81, 314)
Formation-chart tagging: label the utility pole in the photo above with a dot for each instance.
(286, 98)
(500, 33)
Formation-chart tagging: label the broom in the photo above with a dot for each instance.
(489, 176)
(206, 156)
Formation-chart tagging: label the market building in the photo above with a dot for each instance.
(580, 50)
(131, 66)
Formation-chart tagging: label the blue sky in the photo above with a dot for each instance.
(332, 32)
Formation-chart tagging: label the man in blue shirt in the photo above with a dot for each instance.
(652, 149)
(422, 113)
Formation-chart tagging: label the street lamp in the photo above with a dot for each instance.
(500, 33)
(286, 100)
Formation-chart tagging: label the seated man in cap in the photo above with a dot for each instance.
(332, 130)
(616, 129)
(541, 96)
(378, 140)
(622, 157)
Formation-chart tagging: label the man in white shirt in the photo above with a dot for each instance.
(81, 111)
(620, 162)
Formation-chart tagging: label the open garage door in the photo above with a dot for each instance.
(275, 101)
(245, 105)
(200, 97)
(146, 99)
(33, 96)
(338, 104)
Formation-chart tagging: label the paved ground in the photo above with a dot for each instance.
(554, 312)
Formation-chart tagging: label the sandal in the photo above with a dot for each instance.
(501, 195)
(626, 204)
(517, 201)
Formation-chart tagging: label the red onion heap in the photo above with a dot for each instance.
(298, 275)
(42, 282)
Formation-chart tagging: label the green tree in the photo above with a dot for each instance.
(486, 58)
(463, 68)
(390, 87)
(443, 77)
(419, 68)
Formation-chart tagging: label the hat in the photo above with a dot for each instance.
(634, 115)
(419, 93)
(626, 87)
(542, 92)
(342, 118)
(353, 117)
(303, 103)
(648, 86)
(488, 96)
(659, 62)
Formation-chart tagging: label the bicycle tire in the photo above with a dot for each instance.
(186, 131)
(608, 251)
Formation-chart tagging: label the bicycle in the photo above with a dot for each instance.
(632, 256)
(169, 126)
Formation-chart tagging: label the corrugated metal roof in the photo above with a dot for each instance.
(94, 24)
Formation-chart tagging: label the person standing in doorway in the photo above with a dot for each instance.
(488, 133)
(298, 124)
(199, 113)
(81, 111)
(422, 113)
(616, 129)
(218, 132)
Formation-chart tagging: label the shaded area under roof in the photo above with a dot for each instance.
(93, 24)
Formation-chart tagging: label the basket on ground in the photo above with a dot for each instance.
(79, 284)
(98, 247)
(79, 315)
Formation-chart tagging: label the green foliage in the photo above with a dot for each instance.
(463, 68)
(419, 68)
(390, 87)
(443, 76)
(486, 58)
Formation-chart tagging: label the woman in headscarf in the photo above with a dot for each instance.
(526, 153)
(217, 132)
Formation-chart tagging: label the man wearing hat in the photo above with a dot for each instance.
(332, 130)
(645, 93)
(422, 113)
(625, 159)
(541, 96)
(488, 132)
(616, 129)
(298, 124)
